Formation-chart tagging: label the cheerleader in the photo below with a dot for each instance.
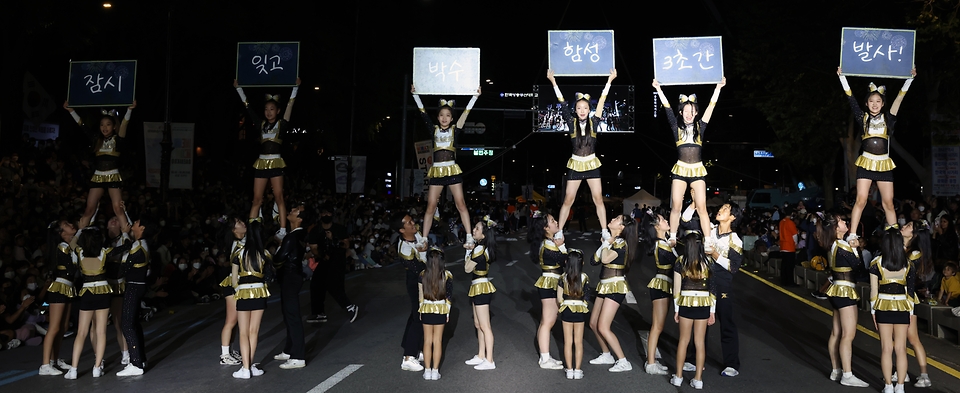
(115, 277)
(654, 236)
(233, 237)
(689, 171)
(916, 241)
(107, 162)
(583, 164)
(290, 277)
(95, 298)
(477, 261)
(436, 289)
(551, 254)
(615, 256)
(843, 297)
(269, 166)
(891, 303)
(728, 255)
(445, 171)
(694, 304)
(413, 256)
(60, 293)
(251, 295)
(874, 163)
(573, 310)
(134, 266)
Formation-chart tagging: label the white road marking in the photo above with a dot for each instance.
(511, 263)
(335, 379)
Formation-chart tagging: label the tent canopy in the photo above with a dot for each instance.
(536, 197)
(642, 197)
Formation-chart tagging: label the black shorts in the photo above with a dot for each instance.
(841, 302)
(874, 175)
(893, 317)
(112, 184)
(251, 304)
(228, 291)
(91, 302)
(53, 297)
(573, 317)
(547, 293)
(481, 300)
(267, 173)
(688, 180)
(591, 174)
(446, 180)
(695, 312)
(658, 294)
(617, 297)
(433, 319)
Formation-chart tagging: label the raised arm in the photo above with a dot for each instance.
(73, 113)
(463, 116)
(293, 95)
(423, 112)
(553, 81)
(903, 91)
(707, 114)
(126, 120)
(603, 96)
(671, 117)
(854, 105)
(253, 117)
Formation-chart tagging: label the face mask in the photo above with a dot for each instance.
(162, 223)
(371, 241)
(920, 208)
(182, 266)
(208, 222)
(216, 251)
(9, 275)
(196, 265)
(803, 236)
(902, 221)
(32, 286)
(376, 235)
(326, 219)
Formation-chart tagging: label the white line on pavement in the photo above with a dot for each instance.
(335, 379)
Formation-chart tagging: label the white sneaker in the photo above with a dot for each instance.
(98, 371)
(835, 374)
(676, 381)
(420, 357)
(848, 379)
(550, 364)
(228, 360)
(569, 372)
(577, 374)
(125, 359)
(652, 369)
(281, 356)
(254, 371)
(47, 369)
(660, 366)
(475, 360)
(427, 374)
(604, 358)
(621, 365)
(435, 374)
(696, 384)
(242, 373)
(923, 381)
(898, 388)
(893, 378)
(485, 366)
(293, 363)
(689, 367)
(130, 371)
(887, 389)
(62, 364)
(410, 364)
(729, 372)
(70, 374)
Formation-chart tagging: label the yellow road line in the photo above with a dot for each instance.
(942, 367)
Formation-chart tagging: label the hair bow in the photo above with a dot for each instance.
(882, 89)
(275, 97)
(436, 249)
(53, 224)
(537, 214)
(490, 223)
(926, 225)
(447, 103)
(575, 251)
(110, 112)
(581, 96)
(691, 98)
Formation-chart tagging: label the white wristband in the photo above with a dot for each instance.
(556, 89)
(843, 82)
(606, 89)
(563, 249)
(716, 96)
(126, 116)
(75, 116)
(906, 85)
(243, 97)
(473, 100)
(416, 99)
(293, 94)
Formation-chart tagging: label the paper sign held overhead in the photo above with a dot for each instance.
(446, 71)
(581, 52)
(877, 52)
(268, 63)
(688, 60)
(102, 83)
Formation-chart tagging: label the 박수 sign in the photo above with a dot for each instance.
(268, 63)
(580, 52)
(102, 83)
(688, 61)
(877, 52)
(446, 71)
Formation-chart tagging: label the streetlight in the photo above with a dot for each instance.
(107, 5)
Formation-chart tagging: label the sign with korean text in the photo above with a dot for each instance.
(102, 83)
(580, 52)
(877, 52)
(268, 63)
(446, 71)
(688, 60)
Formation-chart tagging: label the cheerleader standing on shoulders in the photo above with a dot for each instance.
(874, 164)
(615, 256)
(60, 293)
(413, 256)
(234, 238)
(551, 254)
(445, 171)
(694, 304)
(269, 166)
(251, 294)
(891, 303)
(728, 255)
(843, 297)
(135, 264)
(655, 228)
(477, 261)
(583, 164)
(106, 163)
(436, 290)
(689, 171)
(573, 311)
(916, 242)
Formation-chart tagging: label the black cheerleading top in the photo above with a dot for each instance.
(250, 283)
(135, 262)
(438, 306)
(480, 284)
(553, 260)
(843, 259)
(66, 271)
(411, 259)
(689, 139)
(270, 141)
(695, 292)
(728, 263)
(612, 274)
(664, 258)
(892, 294)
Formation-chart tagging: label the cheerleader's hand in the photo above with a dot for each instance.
(913, 72)
(133, 106)
(613, 75)
(723, 82)
(413, 90)
(875, 326)
(298, 81)
(66, 106)
(676, 317)
(558, 242)
(478, 92)
(235, 84)
(839, 71)
(656, 85)
(550, 76)
(712, 320)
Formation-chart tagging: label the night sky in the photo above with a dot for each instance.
(371, 58)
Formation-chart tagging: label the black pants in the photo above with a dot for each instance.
(413, 334)
(130, 323)
(729, 338)
(290, 283)
(324, 281)
(788, 261)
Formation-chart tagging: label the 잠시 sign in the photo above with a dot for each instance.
(580, 52)
(450, 71)
(102, 83)
(688, 60)
(268, 63)
(877, 52)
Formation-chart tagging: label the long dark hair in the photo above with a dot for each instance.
(434, 276)
(574, 284)
(54, 238)
(629, 235)
(827, 230)
(254, 257)
(91, 242)
(695, 264)
(489, 241)
(921, 242)
(648, 229)
(696, 124)
(536, 234)
(225, 236)
(891, 248)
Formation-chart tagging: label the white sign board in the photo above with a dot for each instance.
(446, 71)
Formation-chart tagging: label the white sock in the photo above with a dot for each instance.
(605, 354)
(848, 375)
(544, 356)
(224, 349)
(125, 354)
